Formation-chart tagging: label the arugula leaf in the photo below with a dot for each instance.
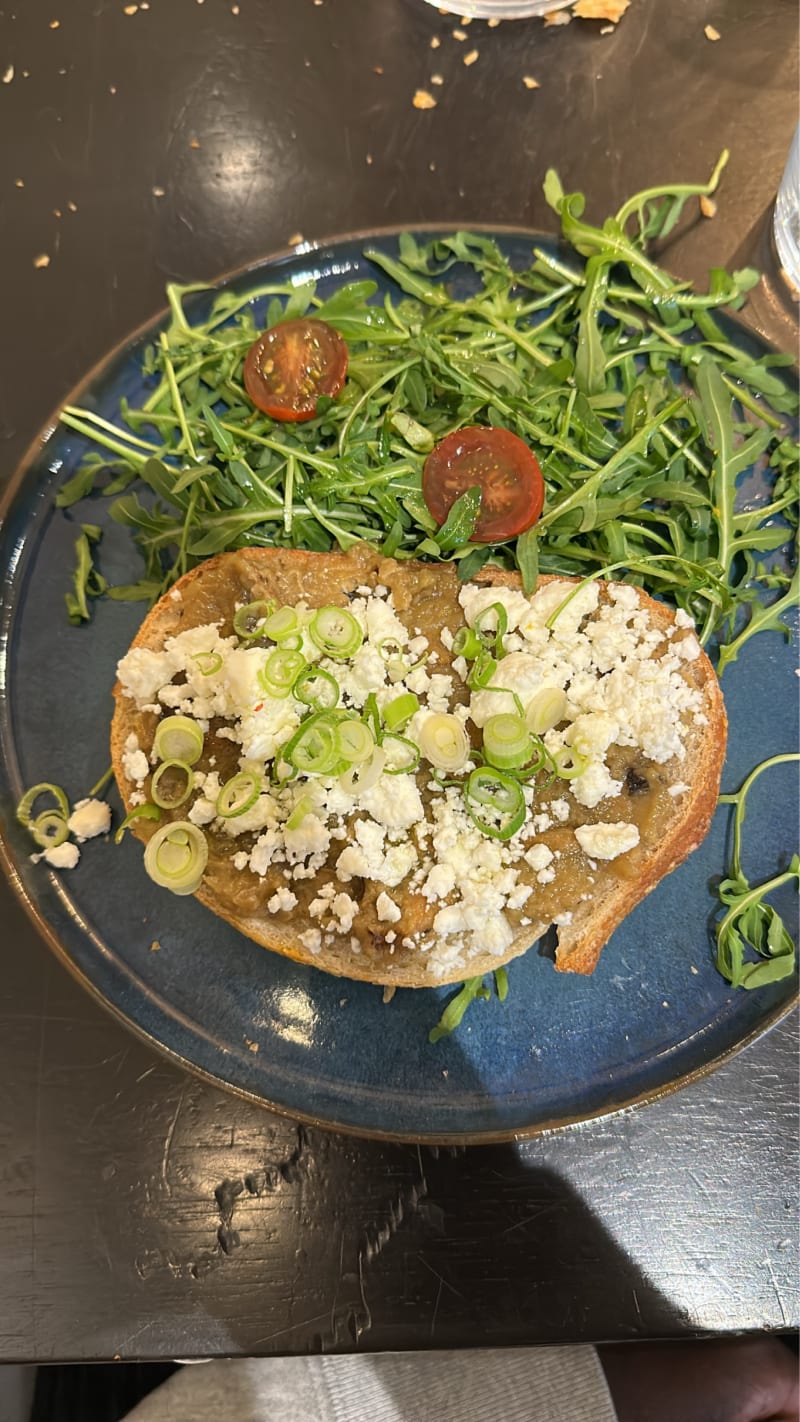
(751, 922)
(459, 525)
(86, 580)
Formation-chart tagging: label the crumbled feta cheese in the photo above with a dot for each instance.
(607, 841)
(61, 856)
(311, 939)
(539, 856)
(89, 818)
(282, 900)
(386, 909)
(344, 910)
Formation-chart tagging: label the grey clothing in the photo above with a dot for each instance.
(483, 1385)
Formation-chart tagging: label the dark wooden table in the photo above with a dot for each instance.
(143, 1213)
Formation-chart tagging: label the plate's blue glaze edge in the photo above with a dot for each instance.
(317, 1048)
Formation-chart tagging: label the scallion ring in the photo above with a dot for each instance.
(546, 709)
(280, 624)
(160, 795)
(444, 741)
(178, 738)
(303, 807)
(507, 742)
(49, 829)
(248, 621)
(402, 756)
(354, 741)
(569, 763)
(280, 672)
(317, 688)
(491, 626)
(139, 812)
(482, 670)
(495, 803)
(358, 778)
(312, 748)
(176, 856)
(336, 632)
(238, 795)
(207, 662)
(398, 713)
(466, 643)
(27, 802)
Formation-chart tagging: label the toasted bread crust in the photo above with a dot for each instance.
(593, 922)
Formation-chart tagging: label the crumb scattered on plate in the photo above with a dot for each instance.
(251, 1046)
(369, 159)
(159, 192)
(129, 9)
(42, 260)
(557, 17)
(437, 78)
(194, 143)
(435, 42)
(295, 239)
(73, 206)
(707, 206)
(471, 57)
(19, 182)
(459, 35)
(389, 992)
(711, 33)
(8, 74)
(423, 100)
(54, 24)
(112, 88)
(377, 68)
(530, 82)
(56, 211)
(155, 946)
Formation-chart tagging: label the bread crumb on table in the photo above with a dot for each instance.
(711, 34)
(471, 57)
(435, 42)
(530, 82)
(41, 261)
(423, 100)
(557, 17)
(8, 74)
(459, 35)
(707, 206)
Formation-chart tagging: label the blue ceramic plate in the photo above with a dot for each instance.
(561, 1048)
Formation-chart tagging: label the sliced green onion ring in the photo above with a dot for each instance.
(507, 742)
(45, 788)
(248, 621)
(312, 748)
(390, 648)
(466, 643)
(166, 801)
(569, 763)
(49, 829)
(482, 670)
(354, 741)
(495, 803)
(176, 856)
(303, 807)
(317, 688)
(402, 756)
(358, 778)
(444, 741)
(178, 738)
(372, 715)
(139, 812)
(336, 632)
(280, 672)
(398, 713)
(280, 624)
(207, 662)
(238, 794)
(491, 626)
(545, 710)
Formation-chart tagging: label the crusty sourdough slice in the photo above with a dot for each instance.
(677, 825)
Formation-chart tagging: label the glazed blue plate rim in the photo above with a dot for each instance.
(452, 1124)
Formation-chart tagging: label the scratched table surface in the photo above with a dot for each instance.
(144, 1213)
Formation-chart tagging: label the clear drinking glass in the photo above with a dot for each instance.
(786, 220)
(499, 9)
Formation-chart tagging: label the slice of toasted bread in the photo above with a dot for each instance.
(674, 809)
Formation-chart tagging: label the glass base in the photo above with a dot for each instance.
(499, 9)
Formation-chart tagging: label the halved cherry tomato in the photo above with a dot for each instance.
(291, 365)
(501, 464)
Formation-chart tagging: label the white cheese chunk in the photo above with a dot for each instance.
(607, 841)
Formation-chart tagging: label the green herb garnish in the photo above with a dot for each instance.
(473, 989)
(751, 922)
(642, 412)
